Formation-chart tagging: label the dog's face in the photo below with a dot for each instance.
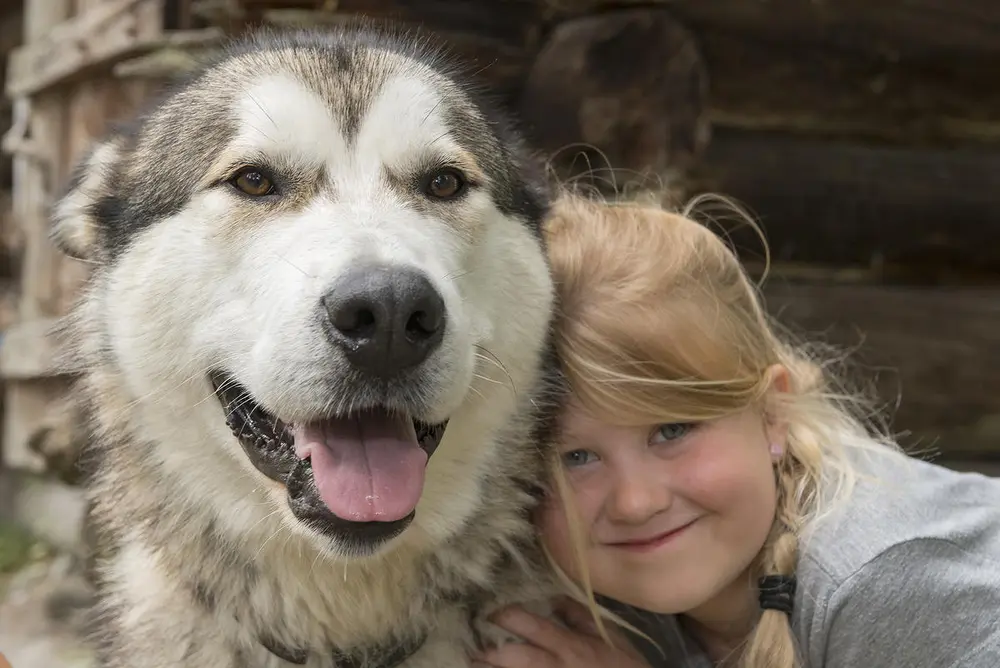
(330, 236)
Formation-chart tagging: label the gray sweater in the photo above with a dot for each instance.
(905, 574)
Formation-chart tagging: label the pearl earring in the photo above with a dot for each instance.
(777, 450)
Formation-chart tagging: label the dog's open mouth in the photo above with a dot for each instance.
(367, 467)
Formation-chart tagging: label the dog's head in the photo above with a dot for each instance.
(328, 233)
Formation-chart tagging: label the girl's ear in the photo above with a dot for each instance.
(778, 378)
(779, 382)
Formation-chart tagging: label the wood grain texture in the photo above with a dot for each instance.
(850, 203)
(935, 351)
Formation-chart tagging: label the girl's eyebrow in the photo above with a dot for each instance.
(569, 440)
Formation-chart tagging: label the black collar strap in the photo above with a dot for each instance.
(383, 656)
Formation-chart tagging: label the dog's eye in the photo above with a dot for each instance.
(445, 184)
(253, 182)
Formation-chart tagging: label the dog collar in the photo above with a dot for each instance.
(380, 656)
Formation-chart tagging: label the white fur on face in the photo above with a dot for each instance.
(282, 119)
(190, 294)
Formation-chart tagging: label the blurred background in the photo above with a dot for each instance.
(863, 136)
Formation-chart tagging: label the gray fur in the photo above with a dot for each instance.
(187, 580)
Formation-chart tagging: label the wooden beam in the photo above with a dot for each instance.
(97, 37)
(823, 92)
(55, 124)
(934, 210)
(28, 350)
(935, 350)
(34, 172)
(895, 29)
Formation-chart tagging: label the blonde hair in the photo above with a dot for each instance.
(659, 322)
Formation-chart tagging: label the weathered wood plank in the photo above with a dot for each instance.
(845, 203)
(35, 167)
(936, 350)
(28, 350)
(61, 123)
(893, 28)
(105, 32)
(823, 92)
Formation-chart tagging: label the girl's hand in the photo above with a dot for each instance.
(3, 662)
(549, 645)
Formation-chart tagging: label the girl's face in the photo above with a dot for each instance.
(671, 516)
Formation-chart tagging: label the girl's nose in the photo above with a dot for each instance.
(640, 492)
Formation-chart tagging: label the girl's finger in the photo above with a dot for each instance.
(519, 655)
(539, 631)
(578, 616)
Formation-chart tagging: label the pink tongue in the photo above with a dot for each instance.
(368, 468)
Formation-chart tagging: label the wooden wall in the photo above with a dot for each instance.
(864, 137)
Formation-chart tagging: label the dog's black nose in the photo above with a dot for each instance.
(386, 319)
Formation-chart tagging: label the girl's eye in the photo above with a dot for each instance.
(575, 458)
(671, 432)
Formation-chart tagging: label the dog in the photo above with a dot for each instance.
(314, 347)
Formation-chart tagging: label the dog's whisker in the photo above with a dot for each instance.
(292, 265)
(488, 379)
(267, 540)
(496, 360)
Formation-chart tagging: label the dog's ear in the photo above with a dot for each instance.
(75, 225)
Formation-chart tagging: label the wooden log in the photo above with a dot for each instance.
(897, 29)
(936, 350)
(842, 203)
(626, 91)
(823, 92)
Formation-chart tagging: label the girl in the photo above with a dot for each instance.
(721, 496)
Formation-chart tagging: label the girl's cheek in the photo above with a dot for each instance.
(554, 530)
(551, 518)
